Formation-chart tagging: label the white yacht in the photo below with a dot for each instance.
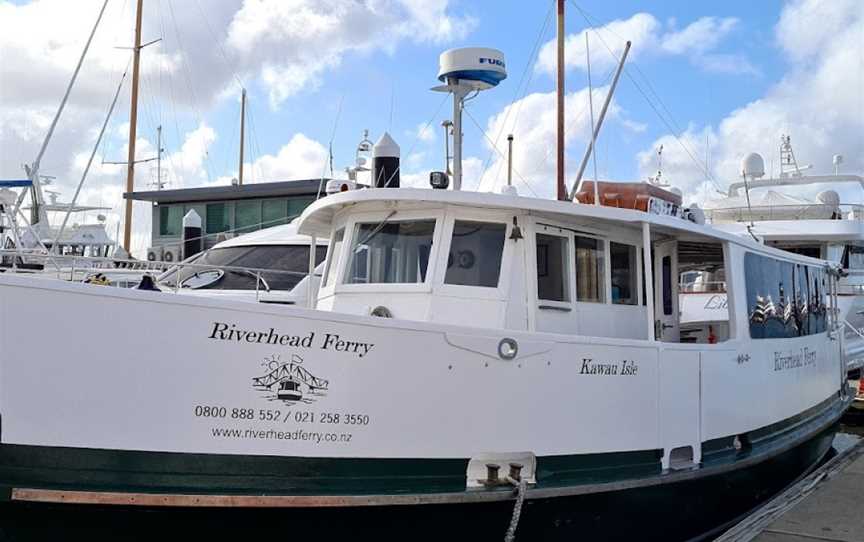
(471, 361)
(268, 265)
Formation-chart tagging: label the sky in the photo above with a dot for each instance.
(710, 82)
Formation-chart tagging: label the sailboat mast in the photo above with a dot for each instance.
(242, 134)
(133, 126)
(562, 188)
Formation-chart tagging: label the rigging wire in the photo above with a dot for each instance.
(192, 94)
(495, 147)
(670, 123)
(518, 97)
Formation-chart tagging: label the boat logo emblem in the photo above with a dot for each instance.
(289, 381)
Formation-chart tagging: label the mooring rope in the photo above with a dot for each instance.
(510, 535)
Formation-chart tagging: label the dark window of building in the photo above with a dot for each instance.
(297, 205)
(274, 212)
(784, 299)
(217, 218)
(552, 268)
(624, 274)
(475, 254)
(247, 216)
(170, 220)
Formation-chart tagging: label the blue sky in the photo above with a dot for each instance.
(733, 74)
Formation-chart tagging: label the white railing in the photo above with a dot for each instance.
(804, 211)
(81, 268)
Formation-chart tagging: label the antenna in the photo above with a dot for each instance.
(752, 167)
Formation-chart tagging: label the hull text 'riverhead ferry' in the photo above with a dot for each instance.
(465, 352)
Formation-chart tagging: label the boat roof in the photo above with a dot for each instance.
(317, 218)
(284, 234)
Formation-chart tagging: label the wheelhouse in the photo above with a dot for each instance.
(500, 261)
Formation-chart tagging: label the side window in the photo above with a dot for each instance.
(624, 273)
(552, 268)
(590, 270)
(784, 299)
(475, 254)
(332, 264)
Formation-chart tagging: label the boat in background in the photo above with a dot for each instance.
(826, 228)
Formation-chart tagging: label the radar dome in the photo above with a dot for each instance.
(477, 67)
(753, 165)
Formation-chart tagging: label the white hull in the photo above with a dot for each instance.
(399, 388)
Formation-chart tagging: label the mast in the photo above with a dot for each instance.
(562, 188)
(133, 126)
(242, 134)
(159, 157)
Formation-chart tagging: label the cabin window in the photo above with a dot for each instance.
(390, 252)
(624, 273)
(784, 299)
(590, 270)
(333, 255)
(552, 268)
(475, 254)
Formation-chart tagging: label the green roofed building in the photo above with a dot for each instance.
(225, 211)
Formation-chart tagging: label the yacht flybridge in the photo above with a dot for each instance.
(464, 352)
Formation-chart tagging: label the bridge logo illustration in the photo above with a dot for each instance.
(289, 381)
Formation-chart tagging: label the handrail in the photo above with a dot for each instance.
(114, 264)
(805, 210)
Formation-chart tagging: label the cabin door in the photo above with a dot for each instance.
(666, 315)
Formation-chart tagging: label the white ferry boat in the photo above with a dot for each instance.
(470, 361)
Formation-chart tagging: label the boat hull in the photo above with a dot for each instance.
(692, 508)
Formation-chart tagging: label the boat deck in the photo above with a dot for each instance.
(826, 505)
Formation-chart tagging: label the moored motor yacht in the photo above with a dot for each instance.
(268, 265)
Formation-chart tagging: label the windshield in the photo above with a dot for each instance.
(293, 258)
(396, 252)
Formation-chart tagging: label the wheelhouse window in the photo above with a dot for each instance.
(390, 252)
(590, 270)
(334, 251)
(476, 249)
(624, 274)
(552, 268)
(784, 299)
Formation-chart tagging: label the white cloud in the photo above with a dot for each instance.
(648, 37)
(292, 43)
(300, 158)
(818, 102)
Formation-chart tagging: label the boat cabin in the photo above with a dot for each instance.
(503, 261)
